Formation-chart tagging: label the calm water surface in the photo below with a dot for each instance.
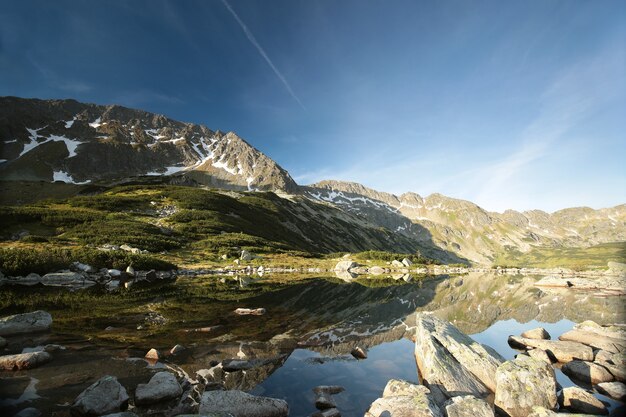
(302, 341)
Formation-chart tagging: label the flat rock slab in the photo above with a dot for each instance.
(595, 339)
(540, 354)
(562, 351)
(241, 404)
(615, 390)
(396, 387)
(468, 406)
(538, 333)
(587, 372)
(37, 321)
(104, 396)
(578, 400)
(23, 360)
(162, 386)
(451, 360)
(524, 383)
(543, 412)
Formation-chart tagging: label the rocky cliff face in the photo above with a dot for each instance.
(64, 140)
(468, 230)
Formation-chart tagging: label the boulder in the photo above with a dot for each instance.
(538, 333)
(468, 406)
(84, 267)
(250, 311)
(241, 404)
(23, 360)
(618, 371)
(28, 412)
(453, 361)
(329, 412)
(376, 270)
(176, 349)
(542, 412)
(345, 265)
(246, 256)
(104, 396)
(37, 321)
(397, 264)
(615, 390)
(540, 354)
(161, 387)
(324, 401)
(524, 383)
(578, 400)
(562, 351)
(397, 387)
(587, 372)
(66, 279)
(595, 339)
(407, 262)
(403, 399)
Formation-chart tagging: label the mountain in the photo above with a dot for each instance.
(87, 145)
(468, 230)
(64, 140)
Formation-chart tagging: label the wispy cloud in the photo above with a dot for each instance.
(262, 52)
(58, 82)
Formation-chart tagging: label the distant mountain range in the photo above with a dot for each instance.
(78, 143)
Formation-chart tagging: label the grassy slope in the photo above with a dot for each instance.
(189, 227)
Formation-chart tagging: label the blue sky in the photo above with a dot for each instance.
(508, 104)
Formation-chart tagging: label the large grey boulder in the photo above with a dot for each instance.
(241, 404)
(161, 387)
(543, 412)
(578, 400)
(562, 351)
(524, 383)
(23, 360)
(37, 321)
(404, 399)
(66, 279)
(587, 372)
(615, 390)
(104, 396)
(453, 361)
(468, 406)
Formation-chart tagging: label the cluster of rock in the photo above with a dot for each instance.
(126, 248)
(590, 354)
(81, 275)
(464, 378)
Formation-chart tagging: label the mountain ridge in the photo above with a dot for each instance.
(82, 143)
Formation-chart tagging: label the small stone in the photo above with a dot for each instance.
(538, 333)
(250, 311)
(358, 353)
(177, 349)
(153, 354)
(580, 401)
(329, 412)
(587, 372)
(615, 390)
(324, 401)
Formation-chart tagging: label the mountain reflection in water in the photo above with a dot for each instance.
(303, 340)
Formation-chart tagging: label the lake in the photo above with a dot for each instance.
(303, 340)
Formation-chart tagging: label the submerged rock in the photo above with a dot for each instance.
(578, 400)
(453, 361)
(468, 406)
(562, 351)
(153, 354)
(23, 360)
(37, 321)
(358, 353)
(587, 372)
(250, 311)
(524, 383)
(241, 404)
(161, 387)
(104, 396)
(329, 412)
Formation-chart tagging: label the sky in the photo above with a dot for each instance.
(515, 104)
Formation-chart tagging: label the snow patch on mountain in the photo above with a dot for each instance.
(67, 178)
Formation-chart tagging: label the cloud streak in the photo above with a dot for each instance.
(262, 52)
